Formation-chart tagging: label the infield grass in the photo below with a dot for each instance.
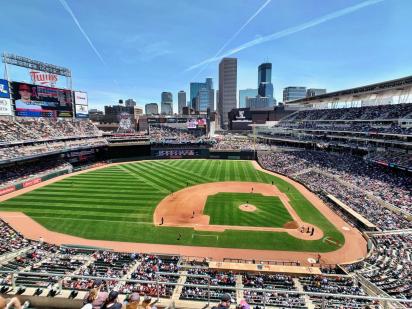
(223, 209)
(117, 203)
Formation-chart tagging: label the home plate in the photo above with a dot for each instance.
(346, 228)
(311, 260)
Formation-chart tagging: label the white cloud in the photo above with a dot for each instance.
(288, 31)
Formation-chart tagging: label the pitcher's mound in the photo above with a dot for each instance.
(247, 207)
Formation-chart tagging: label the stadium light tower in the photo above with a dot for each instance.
(28, 63)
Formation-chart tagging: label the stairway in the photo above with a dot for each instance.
(299, 287)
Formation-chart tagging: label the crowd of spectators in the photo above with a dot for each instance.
(272, 281)
(202, 276)
(146, 270)
(24, 130)
(360, 127)
(379, 112)
(11, 240)
(233, 142)
(18, 173)
(33, 149)
(401, 159)
(389, 266)
(169, 135)
(335, 285)
(356, 183)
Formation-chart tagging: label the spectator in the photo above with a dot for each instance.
(132, 302)
(225, 302)
(97, 296)
(111, 301)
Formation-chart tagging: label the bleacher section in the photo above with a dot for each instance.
(384, 131)
(46, 265)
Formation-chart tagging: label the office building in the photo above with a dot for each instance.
(265, 86)
(166, 104)
(259, 103)
(209, 83)
(112, 113)
(246, 93)
(151, 109)
(194, 90)
(130, 102)
(227, 88)
(137, 112)
(181, 101)
(202, 96)
(293, 93)
(96, 115)
(312, 92)
(265, 73)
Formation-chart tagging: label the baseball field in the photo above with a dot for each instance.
(119, 203)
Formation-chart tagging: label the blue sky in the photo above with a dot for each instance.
(147, 46)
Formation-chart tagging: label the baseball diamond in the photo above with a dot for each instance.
(119, 203)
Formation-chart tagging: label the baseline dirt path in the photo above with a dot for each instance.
(177, 209)
(353, 250)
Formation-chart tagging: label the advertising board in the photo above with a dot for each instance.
(5, 107)
(40, 101)
(4, 89)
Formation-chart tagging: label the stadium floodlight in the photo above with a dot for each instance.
(35, 65)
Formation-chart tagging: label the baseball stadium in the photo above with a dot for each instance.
(161, 209)
(300, 204)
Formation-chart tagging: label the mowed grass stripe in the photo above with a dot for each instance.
(170, 180)
(63, 209)
(92, 192)
(151, 178)
(78, 200)
(112, 204)
(187, 175)
(91, 216)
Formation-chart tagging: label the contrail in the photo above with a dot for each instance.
(234, 36)
(69, 10)
(289, 31)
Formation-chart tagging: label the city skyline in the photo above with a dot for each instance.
(138, 57)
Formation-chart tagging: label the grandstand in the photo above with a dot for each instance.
(349, 152)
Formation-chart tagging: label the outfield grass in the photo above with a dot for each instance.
(117, 203)
(223, 209)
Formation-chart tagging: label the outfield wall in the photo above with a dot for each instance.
(32, 181)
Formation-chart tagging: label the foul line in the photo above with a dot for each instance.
(77, 219)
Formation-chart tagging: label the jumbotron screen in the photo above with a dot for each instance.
(40, 101)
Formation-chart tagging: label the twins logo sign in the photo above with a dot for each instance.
(42, 78)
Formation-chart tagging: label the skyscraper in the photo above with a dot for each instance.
(194, 90)
(265, 86)
(227, 88)
(167, 103)
(244, 94)
(202, 95)
(265, 73)
(293, 93)
(209, 83)
(181, 101)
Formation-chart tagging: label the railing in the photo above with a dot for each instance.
(385, 301)
(266, 262)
